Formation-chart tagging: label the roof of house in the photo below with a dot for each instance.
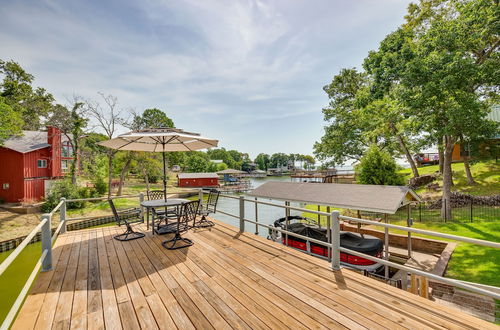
(197, 176)
(372, 198)
(231, 171)
(29, 141)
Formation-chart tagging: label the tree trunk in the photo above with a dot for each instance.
(470, 178)
(74, 164)
(110, 172)
(441, 158)
(447, 178)
(122, 176)
(146, 178)
(409, 158)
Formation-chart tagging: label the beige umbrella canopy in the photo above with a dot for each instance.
(160, 140)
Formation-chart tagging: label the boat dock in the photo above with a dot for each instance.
(227, 279)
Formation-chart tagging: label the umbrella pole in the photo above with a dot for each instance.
(164, 175)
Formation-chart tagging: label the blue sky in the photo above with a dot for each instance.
(249, 73)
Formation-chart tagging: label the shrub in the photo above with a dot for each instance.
(64, 188)
(378, 167)
(100, 187)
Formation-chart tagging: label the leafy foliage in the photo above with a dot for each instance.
(378, 167)
(10, 121)
(64, 188)
(151, 118)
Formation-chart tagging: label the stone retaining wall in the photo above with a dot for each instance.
(82, 224)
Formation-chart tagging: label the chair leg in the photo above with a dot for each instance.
(203, 223)
(171, 243)
(128, 235)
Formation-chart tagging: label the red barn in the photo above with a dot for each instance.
(197, 180)
(27, 162)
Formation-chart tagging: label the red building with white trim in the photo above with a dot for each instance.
(29, 161)
(197, 180)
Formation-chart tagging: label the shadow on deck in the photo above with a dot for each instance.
(225, 280)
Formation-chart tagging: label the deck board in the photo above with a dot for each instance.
(225, 280)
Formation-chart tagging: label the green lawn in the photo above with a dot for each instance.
(486, 174)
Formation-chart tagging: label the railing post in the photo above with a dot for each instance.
(63, 215)
(335, 239)
(47, 243)
(141, 199)
(242, 214)
(200, 196)
(256, 217)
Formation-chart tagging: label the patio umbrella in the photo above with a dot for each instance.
(160, 140)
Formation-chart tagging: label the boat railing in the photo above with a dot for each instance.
(48, 239)
(333, 235)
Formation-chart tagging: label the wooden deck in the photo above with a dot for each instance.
(224, 280)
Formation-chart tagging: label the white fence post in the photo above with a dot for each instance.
(47, 243)
(62, 215)
(335, 240)
(242, 214)
(200, 196)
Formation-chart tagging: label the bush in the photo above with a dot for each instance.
(378, 167)
(64, 188)
(100, 187)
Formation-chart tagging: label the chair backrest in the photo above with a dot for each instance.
(115, 213)
(155, 195)
(189, 211)
(213, 198)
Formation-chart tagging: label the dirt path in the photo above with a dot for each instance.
(14, 225)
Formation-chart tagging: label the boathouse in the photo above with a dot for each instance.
(189, 180)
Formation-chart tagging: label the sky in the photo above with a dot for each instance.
(249, 73)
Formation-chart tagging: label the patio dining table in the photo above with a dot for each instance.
(158, 204)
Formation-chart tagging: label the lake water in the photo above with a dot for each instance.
(266, 214)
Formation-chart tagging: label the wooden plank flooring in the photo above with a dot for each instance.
(225, 280)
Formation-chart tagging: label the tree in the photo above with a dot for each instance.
(378, 167)
(151, 118)
(33, 105)
(10, 122)
(196, 163)
(71, 123)
(453, 77)
(278, 159)
(107, 118)
(262, 160)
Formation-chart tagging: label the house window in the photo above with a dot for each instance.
(5, 186)
(64, 165)
(42, 163)
(67, 150)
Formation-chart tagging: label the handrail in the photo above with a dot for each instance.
(20, 298)
(336, 249)
(54, 210)
(45, 261)
(6, 263)
(425, 232)
(101, 198)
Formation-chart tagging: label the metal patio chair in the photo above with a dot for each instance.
(188, 213)
(205, 209)
(127, 217)
(162, 214)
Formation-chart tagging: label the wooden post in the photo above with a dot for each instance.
(242, 214)
(47, 243)
(62, 215)
(328, 230)
(319, 216)
(413, 284)
(359, 224)
(200, 196)
(424, 287)
(287, 221)
(335, 241)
